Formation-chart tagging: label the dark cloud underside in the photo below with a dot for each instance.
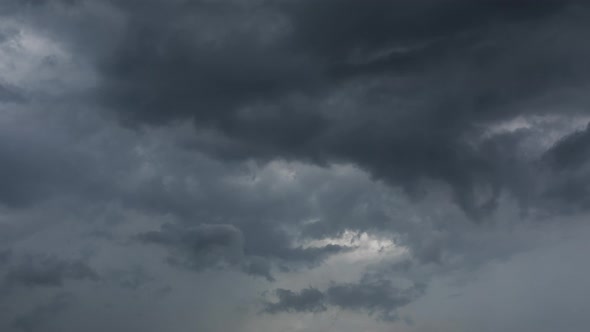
(412, 85)
(164, 163)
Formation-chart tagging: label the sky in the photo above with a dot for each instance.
(294, 165)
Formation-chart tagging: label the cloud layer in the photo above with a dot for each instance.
(265, 165)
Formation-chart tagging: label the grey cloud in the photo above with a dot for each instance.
(205, 245)
(38, 317)
(257, 126)
(133, 278)
(10, 94)
(39, 162)
(208, 246)
(7, 34)
(570, 152)
(221, 246)
(307, 300)
(46, 271)
(312, 255)
(267, 241)
(5, 257)
(18, 6)
(379, 298)
(205, 75)
(28, 183)
(565, 165)
(258, 266)
(286, 88)
(373, 24)
(416, 114)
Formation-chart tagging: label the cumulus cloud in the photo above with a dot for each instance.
(38, 317)
(379, 297)
(46, 271)
(190, 140)
(10, 94)
(205, 245)
(307, 300)
(412, 109)
(222, 246)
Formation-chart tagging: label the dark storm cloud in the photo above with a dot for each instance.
(7, 34)
(571, 152)
(307, 300)
(405, 90)
(408, 91)
(10, 94)
(218, 246)
(46, 271)
(35, 319)
(205, 67)
(373, 24)
(379, 298)
(133, 278)
(206, 245)
(5, 257)
(34, 166)
(417, 83)
(11, 6)
(567, 161)
(313, 254)
(258, 266)
(266, 240)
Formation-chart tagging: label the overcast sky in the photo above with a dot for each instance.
(294, 165)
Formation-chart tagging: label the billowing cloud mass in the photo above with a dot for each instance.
(47, 271)
(294, 165)
(377, 296)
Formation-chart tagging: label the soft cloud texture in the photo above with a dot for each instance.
(265, 165)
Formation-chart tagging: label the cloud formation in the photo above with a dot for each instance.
(43, 271)
(406, 101)
(375, 297)
(166, 163)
